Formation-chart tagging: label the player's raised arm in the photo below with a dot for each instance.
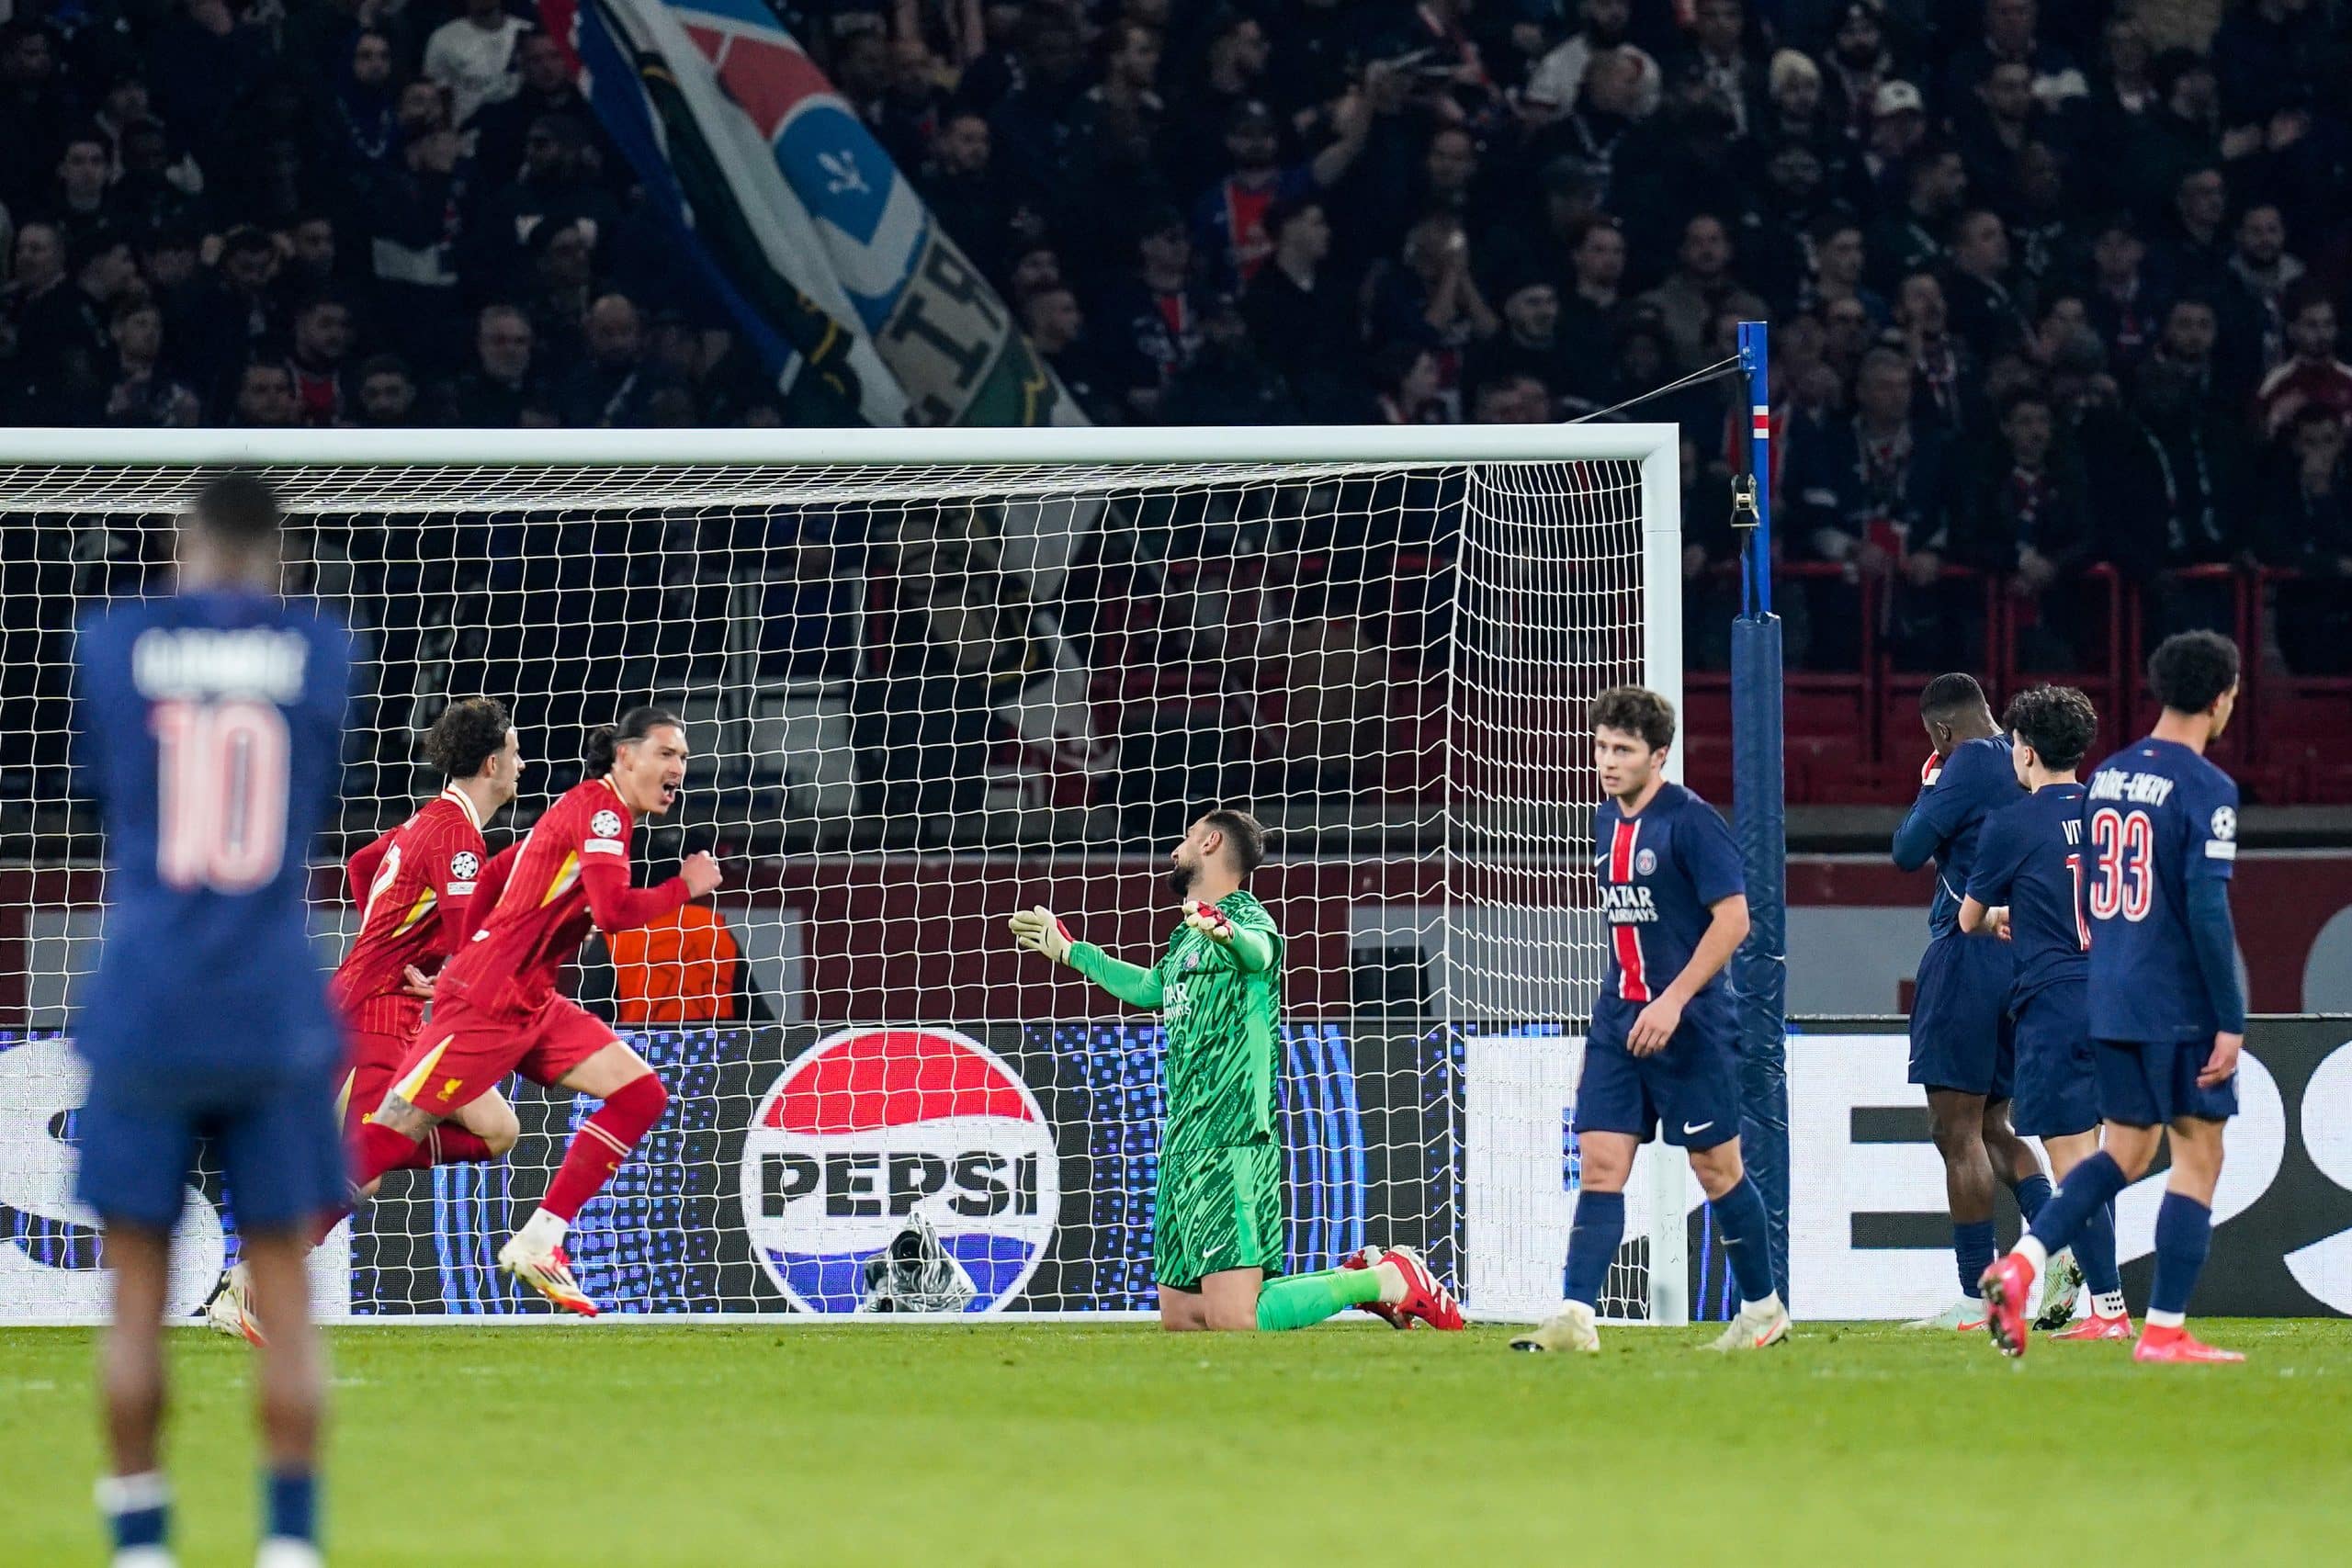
(1246, 940)
(1039, 931)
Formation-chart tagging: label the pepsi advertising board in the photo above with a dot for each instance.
(793, 1155)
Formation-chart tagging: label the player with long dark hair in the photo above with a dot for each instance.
(496, 1008)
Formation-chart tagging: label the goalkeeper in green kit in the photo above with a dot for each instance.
(1218, 1233)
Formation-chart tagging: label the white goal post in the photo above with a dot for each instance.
(929, 676)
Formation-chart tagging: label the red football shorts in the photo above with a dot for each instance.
(464, 1051)
(374, 1061)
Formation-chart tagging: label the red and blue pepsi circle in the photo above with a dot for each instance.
(870, 1126)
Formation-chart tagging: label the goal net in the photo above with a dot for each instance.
(929, 678)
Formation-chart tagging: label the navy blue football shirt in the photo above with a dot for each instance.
(211, 729)
(1661, 874)
(2156, 818)
(2028, 856)
(1976, 781)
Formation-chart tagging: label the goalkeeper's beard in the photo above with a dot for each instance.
(1181, 878)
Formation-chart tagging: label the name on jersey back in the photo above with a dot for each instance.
(2140, 789)
(199, 662)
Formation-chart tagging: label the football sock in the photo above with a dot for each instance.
(2109, 1304)
(1972, 1251)
(1302, 1299)
(290, 1506)
(2031, 1193)
(137, 1508)
(1593, 1236)
(2088, 1188)
(1739, 1214)
(2095, 1250)
(2184, 1235)
(445, 1145)
(376, 1149)
(603, 1142)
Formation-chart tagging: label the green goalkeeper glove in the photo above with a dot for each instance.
(1038, 931)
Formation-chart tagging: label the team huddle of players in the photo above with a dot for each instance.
(2079, 987)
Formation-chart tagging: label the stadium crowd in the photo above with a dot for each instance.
(2053, 283)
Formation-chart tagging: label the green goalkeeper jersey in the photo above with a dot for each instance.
(1220, 1003)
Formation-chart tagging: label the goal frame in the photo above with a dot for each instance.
(1656, 447)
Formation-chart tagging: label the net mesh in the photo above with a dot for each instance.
(919, 698)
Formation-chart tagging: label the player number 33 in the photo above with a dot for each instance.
(2124, 881)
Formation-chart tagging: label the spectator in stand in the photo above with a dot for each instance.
(2123, 90)
(1528, 343)
(1556, 81)
(1590, 305)
(1898, 130)
(231, 309)
(2001, 120)
(490, 392)
(1432, 298)
(78, 204)
(1688, 301)
(360, 126)
(1839, 264)
(313, 259)
(1512, 399)
(2312, 376)
(143, 393)
(386, 398)
(1406, 374)
(1870, 492)
(616, 387)
(563, 266)
(1857, 66)
(2266, 275)
(2270, 56)
(472, 58)
(2193, 254)
(1594, 134)
(1232, 76)
(557, 186)
(1031, 128)
(543, 86)
(416, 212)
(2030, 526)
(216, 62)
(2123, 306)
(2306, 516)
(1911, 238)
(39, 302)
(33, 110)
(2179, 501)
(1721, 59)
(151, 191)
(1985, 310)
(1057, 329)
(2192, 326)
(1151, 317)
(1229, 220)
(970, 199)
(262, 397)
(323, 339)
(1303, 321)
(1228, 382)
(2011, 35)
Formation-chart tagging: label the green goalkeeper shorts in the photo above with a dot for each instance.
(1218, 1209)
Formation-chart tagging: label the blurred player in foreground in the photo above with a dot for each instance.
(1218, 1237)
(495, 1009)
(414, 887)
(1662, 1045)
(1962, 1050)
(2027, 885)
(212, 722)
(2167, 1018)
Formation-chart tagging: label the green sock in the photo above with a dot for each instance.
(1302, 1298)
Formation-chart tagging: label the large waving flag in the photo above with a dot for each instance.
(830, 263)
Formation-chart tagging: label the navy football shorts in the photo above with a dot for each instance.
(2057, 1084)
(273, 1132)
(1960, 1016)
(1691, 1087)
(2144, 1084)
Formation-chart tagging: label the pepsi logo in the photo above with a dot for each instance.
(869, 1126)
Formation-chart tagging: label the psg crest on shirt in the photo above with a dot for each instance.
(1645, 862)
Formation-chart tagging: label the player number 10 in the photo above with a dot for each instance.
(222, 783)
(2124, 882)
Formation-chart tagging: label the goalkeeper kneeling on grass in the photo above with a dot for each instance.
(1217, 1237)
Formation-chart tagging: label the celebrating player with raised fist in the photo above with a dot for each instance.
(495, 1009)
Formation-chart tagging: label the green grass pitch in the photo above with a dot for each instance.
(1108, 1446)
